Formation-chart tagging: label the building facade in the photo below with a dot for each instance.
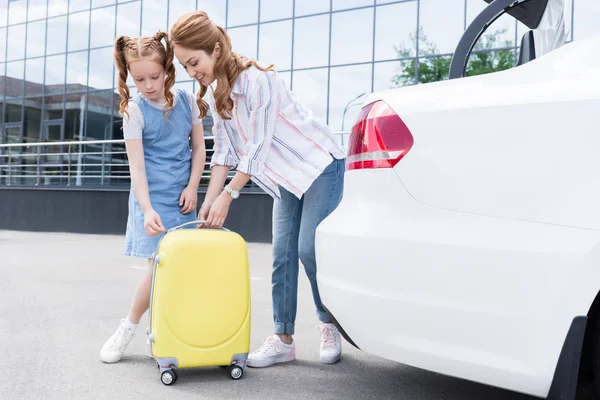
(58, 83)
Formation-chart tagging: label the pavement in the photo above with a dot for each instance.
(62, 295)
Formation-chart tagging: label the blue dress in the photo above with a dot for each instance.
(167, 157)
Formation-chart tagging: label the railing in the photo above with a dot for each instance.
(76, 163)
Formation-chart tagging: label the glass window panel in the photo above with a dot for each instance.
(587, 15)
(32, 122)
(310, 87)
(13, 112)
(180, 73)
(37, 10)
(390, 1)
(345, 4)
(57, 7)
(3, 14)
(215, 9)
(16, 42)
(77, 66)
(34, 77)
(352, 37)
(16, 70)
(180, 7)
(242, 12)
(99, 111)
(311, 7)
(103, 27)
(57, 35)
(393, 74)
(243, 40)
(342, 94)
(275, 9)
(79, 5)
(311, 41)
(53, 107)
(74, 116)
(442, 24)
(128, 19)
(79, 25)
(101, 3)
(395, 29)
(276, 44)
(154, 16)
(36, 38)
(17, 12)
(101, 68)
(55, 73)
(3, 45)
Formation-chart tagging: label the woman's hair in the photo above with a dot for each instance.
(195, 31)
(129, 49)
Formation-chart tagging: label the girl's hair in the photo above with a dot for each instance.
(195, 31)
(129, 49)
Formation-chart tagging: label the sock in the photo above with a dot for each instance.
(130, 324)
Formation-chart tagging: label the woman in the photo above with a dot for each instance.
(262, 130)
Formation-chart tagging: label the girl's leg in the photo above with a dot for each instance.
(115, 346)
(141, 296)
(286, 224)
(319, 201)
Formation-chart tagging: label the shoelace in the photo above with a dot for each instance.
(268, 344)
(118, 338)
(327, 337)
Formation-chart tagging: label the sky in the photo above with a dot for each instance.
(352, 41)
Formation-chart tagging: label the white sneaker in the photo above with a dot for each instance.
(331, 343)
(273, 351)
(113, 349)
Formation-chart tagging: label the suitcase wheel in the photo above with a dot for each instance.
(235, 371)
(168, 377)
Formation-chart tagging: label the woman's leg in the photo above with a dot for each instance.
(115, 346)
(286, 224)
(320, 200)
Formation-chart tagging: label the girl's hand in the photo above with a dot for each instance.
(188, 200)
(203, 213)
(218, 211)
(152, 223)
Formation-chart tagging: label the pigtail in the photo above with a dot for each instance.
(169, 70)
(121, 63)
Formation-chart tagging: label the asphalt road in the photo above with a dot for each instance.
(62, 295)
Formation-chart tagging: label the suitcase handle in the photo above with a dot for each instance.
(196, 222)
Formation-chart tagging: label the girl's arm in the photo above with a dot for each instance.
(132, 132)
(198, 155)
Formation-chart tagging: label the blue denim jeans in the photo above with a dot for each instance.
(294, 224)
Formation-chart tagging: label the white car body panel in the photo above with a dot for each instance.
(474, 254)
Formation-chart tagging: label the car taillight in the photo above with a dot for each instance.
(379, 138)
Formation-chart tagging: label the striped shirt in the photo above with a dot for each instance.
(271, 136)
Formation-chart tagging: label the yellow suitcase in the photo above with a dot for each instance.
(200, 301)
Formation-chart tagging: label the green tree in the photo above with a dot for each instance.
(436, 68)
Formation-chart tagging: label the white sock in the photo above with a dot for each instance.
(130, 324)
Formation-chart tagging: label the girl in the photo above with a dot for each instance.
(262, 130)
(165, 175)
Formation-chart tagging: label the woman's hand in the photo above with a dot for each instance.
(188, 200)
(203, 213)
(152, 223)
(218, 211)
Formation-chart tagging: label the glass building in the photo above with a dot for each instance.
(58, 80)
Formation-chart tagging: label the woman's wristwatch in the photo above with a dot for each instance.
(232, 192)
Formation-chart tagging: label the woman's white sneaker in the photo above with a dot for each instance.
(273, 351)
(331, 343)
(115, 346)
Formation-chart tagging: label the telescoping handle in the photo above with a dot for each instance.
(196, 222)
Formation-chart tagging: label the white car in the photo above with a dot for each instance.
(467, 241)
